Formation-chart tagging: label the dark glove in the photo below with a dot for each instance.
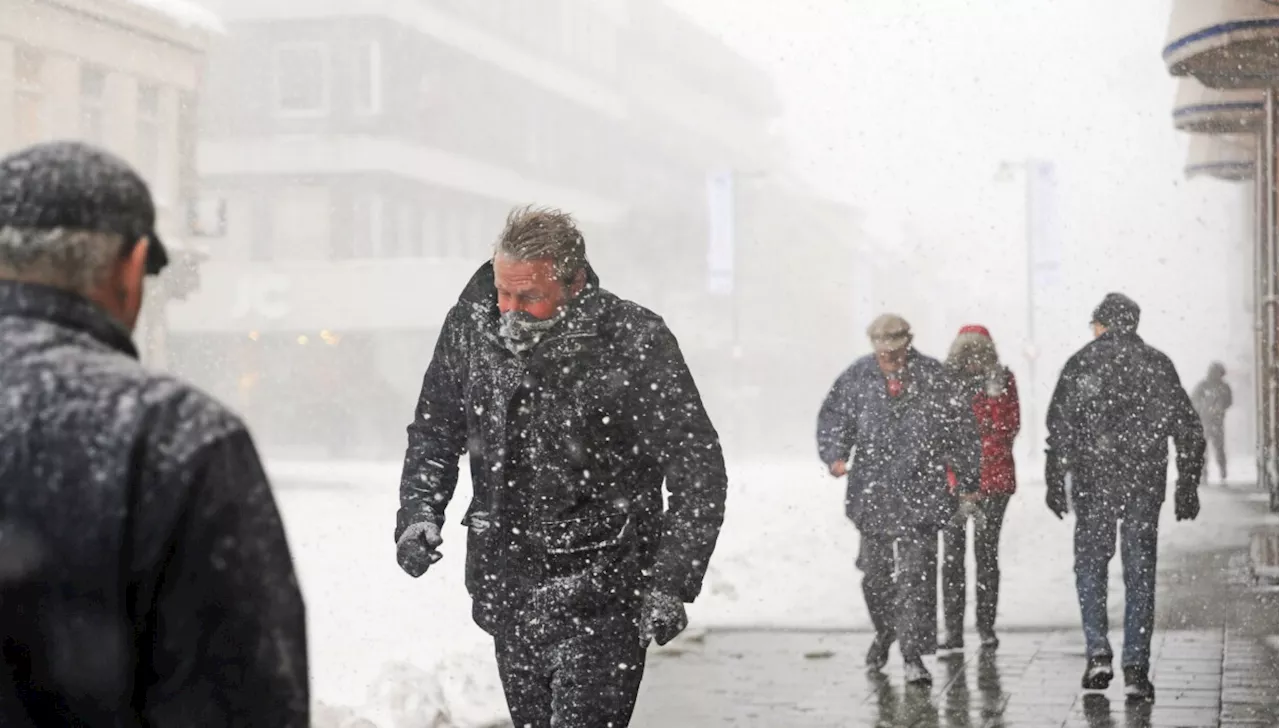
(1055, 478)
(1186, 502)
(662, 617)
(416, 549)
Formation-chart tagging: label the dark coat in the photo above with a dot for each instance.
(902, 446)
(1212, 398)
(570, 445)
(144, 574)
(1117, 403)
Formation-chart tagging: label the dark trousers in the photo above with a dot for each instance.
(585, 681)
(1095, 545)
(1216, 440)
(986, 557)
(900, 585)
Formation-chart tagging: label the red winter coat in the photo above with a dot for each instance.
(998, 421)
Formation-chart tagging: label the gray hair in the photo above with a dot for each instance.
(76, 260)
(544, 233)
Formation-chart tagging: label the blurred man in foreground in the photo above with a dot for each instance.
(144, 573)
(1117, 403)
(575, 407)
(906, 422)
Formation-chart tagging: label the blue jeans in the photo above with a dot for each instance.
(1095, 544)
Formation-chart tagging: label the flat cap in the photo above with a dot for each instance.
(889, 332)
(77, 186)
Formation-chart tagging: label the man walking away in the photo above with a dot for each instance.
(1117, 403)
(1212, 399)
(144, 573)
(575, 407)
(905, 422)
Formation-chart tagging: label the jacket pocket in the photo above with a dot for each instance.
(581, 545)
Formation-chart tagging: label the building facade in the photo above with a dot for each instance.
(367, 153)
(124, 75)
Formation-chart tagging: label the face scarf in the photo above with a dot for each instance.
(520, 331)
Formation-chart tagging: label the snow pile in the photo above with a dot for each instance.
(186, 13)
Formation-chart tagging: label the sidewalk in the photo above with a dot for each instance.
(1214, 659)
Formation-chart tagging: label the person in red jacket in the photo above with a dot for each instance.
(974, 362)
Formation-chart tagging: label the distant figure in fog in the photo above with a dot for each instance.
(575, 407)
(1117, 403)
(904, 422)
(144, 573)
(993, 395)
(1212, 399)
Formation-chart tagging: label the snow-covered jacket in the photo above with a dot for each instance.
(995, 405)
(1117, 403)
(570, 444)
(901, 446)
(144, 574)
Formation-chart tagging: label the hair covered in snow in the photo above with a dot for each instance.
(973, 345)
(544, 233)
(75, 260)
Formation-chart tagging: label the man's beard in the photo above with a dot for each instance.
(520, 331)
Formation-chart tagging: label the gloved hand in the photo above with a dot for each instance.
(1055, 478)
(416, 549)
(968, 509)
(662, 617)
(1186, 502)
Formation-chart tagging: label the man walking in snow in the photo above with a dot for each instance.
(144, 574)
(905, 422)
(1212, 399)
(575, 407)
(1117, 403)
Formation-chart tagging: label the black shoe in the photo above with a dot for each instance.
(878, 653)
(954, 642)
(1098, 675)
(1137, 686)
(915, 673)
(989, 639)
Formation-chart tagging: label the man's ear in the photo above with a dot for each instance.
(579, 282)
(135, 264)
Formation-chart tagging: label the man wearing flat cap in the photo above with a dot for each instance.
(1117, 403)
(892, 424)
(144, 573)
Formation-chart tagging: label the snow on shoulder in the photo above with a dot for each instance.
(185, 12)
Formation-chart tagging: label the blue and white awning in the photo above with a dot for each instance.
(1229, 157)
(1226, 44)
(1203, 110)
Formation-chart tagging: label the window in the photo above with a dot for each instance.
(300, 223)
(93, 90)
(368, 78)
(302, 80)
(367, 232)
(147, 141)
(29, 116)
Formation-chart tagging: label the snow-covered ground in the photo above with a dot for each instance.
(785, 559)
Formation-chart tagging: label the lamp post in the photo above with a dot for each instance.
(1028, 168)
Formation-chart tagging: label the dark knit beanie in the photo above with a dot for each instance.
(1117, 311)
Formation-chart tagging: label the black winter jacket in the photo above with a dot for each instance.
(1117, 403)
(569, 445)
(144, 574)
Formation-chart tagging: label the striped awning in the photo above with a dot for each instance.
(1203, 110)
(1229, 157)
(1228, 44)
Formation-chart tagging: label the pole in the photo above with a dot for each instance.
(1259, 345)
(1271, 301)
(1029, 169)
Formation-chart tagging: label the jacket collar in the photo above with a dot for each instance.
(66, 309)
